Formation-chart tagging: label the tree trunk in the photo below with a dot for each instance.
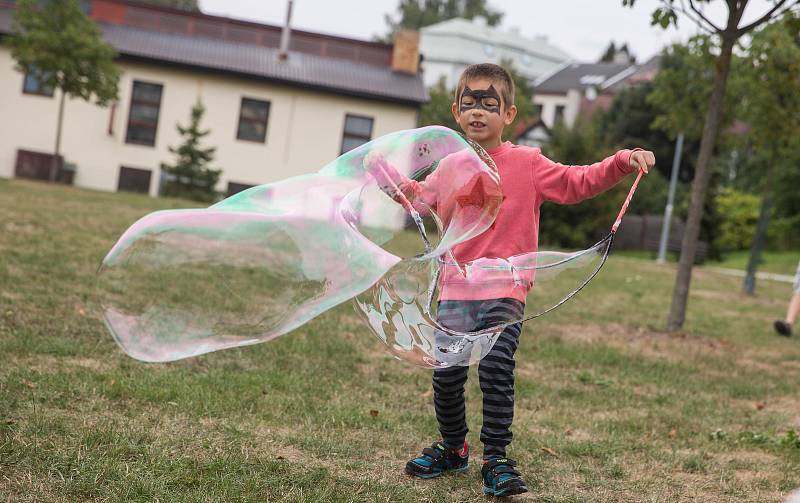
(55, 167)
(759, 242)
(680, 294)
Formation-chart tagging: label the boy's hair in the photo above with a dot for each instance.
(492, 72)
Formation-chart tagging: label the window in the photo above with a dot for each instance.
(134, 180)
(253, 120)
(537, 110)
(559, 116)
(357, 131)
(143, 116)
(34, 84)
(235, 188)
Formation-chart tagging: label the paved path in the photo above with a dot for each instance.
(783, 278)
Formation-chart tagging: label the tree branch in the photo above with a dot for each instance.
(702, 16)
(767, 16)
(682, 10)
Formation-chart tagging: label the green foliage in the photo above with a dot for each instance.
(682, 89)
(741, 214)
(784, 233)
(64, 49)
(438, 110)
(523, 99)
(771, 104)
(415, 14)
(192, 178)
(628, 123)
(667, 13)
(576, 225)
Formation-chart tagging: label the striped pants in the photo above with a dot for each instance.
(495, 373)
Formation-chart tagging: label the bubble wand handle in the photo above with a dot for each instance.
(626, 203)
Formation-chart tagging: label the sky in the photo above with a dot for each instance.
(583, 28)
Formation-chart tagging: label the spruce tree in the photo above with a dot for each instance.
(190, 176)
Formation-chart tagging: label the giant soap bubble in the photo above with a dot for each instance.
(366, 227)
(255, 266)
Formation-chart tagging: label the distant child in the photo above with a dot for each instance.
(484, 105)
(784, 327)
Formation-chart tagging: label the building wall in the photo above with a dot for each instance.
(304, 129)
(448, 54)
(571, 102)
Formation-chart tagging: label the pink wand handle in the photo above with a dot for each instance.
(626, 203)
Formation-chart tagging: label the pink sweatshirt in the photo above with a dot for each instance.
(527, 179)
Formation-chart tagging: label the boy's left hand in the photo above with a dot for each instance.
(643, 160)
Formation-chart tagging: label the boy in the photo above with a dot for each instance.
(484, 105)
(784, 327)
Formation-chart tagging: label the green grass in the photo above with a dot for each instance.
(324, 414)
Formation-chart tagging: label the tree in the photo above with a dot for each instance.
(575, 226)
(416, 14)
(63, 49)
(728, 34)
(614, 54)
(772, 109)
(523, 99)
(437, 110)
(191, 176)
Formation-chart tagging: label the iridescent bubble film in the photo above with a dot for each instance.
(369, 226)
(181, 283)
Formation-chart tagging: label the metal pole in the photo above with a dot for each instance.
(673, 183)
(283, 52)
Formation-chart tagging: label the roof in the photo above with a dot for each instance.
(645, 72)
(461, 27)
(522, 128)
(579, 76)
(309, 71)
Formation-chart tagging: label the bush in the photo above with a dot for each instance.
(739, 215)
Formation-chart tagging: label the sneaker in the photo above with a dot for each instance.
(783, 328)
(437, 460)
(501, 479)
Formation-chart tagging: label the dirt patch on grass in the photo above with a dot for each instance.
(48, 364)
(672, 347)
(790, 407)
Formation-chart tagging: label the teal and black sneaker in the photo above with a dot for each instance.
(437, 460)
(501, 479)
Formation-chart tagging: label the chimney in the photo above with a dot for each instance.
(405, 53)
(283, 55)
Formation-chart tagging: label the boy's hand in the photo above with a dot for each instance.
(643, 160)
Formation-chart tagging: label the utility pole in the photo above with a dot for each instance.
(673, 183)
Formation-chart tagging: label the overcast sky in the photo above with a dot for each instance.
(583, 28)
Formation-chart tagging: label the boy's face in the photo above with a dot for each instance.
(482, 113)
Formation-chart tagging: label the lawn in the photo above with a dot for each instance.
(609, 407)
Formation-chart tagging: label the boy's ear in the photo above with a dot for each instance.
(510, 114)
(454, 110)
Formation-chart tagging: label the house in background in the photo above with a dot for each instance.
(577, 89)
(450, 46)
(558, 96)
(271, 116)
(532, 133)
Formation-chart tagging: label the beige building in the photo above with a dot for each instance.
(270, 117)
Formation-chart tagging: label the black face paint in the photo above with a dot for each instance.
(479, 98)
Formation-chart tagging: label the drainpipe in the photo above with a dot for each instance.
(283, 55)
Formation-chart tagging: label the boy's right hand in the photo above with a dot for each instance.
(642, 160)
(376, 165)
